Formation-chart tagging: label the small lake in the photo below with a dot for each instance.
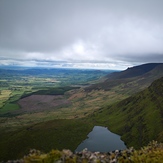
(102, 140)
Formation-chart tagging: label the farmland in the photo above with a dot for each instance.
(21, 82)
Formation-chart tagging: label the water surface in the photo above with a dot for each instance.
(102, 140)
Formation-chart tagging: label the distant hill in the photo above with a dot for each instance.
(139, 118)
(135, 71)
(131, 80)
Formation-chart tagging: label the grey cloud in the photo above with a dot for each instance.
(82, 30)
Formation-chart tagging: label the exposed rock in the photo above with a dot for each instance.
(153, 152)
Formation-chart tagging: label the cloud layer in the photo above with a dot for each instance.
(84, 33)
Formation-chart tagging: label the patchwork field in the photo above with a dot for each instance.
(4, 96)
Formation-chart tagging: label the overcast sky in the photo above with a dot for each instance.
(110, 34)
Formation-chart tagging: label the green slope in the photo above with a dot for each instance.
(57, 134)
(139, 118)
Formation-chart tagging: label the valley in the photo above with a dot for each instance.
(47, 110)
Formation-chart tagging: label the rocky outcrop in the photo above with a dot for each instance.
(151, 153)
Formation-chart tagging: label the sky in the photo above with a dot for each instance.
(99, 34)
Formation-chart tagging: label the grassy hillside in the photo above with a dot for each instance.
(139, 118)
(55, 134)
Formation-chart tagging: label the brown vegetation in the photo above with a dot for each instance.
(37, 103)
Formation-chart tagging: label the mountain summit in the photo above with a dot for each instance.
(136, 71)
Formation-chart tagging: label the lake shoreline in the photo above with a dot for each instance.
(101, 139)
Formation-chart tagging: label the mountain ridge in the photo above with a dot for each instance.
(134, 71)
(133, 79)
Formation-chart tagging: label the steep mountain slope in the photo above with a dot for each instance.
(131, 80)
(139, 118)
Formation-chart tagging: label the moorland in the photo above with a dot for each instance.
(56, 108)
